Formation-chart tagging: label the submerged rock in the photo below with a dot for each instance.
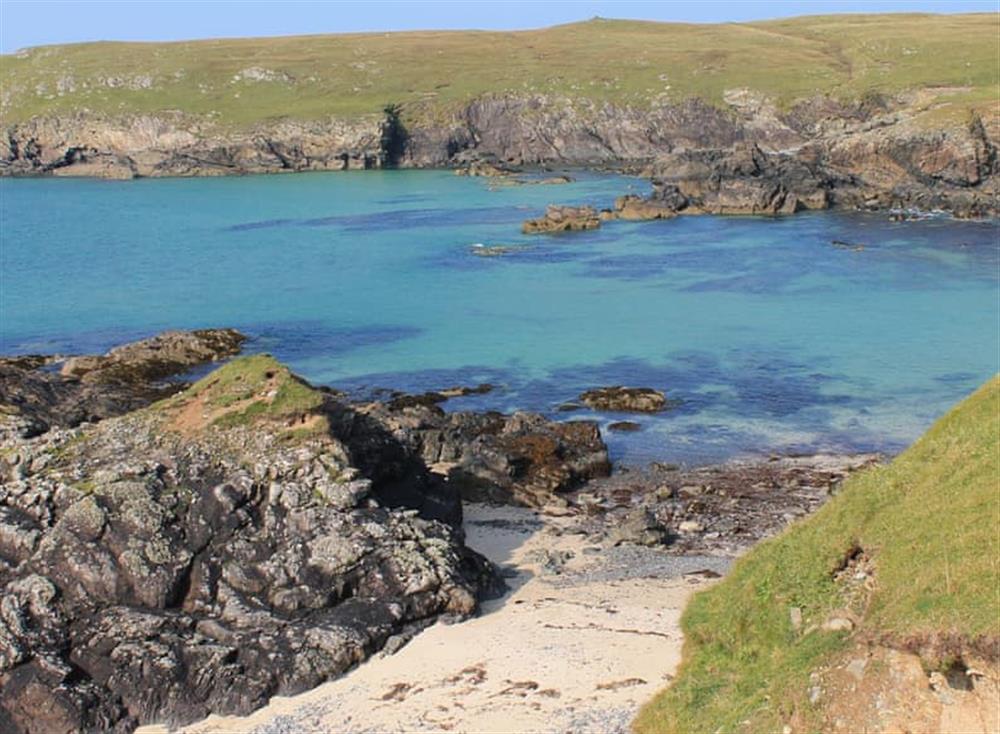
(242, 539)
(625, 426)
(496, 250)
(563, 219)
(625, 399)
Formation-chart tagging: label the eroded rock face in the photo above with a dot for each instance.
(563, 219)
(166, 144)
(743, 180)
(876, 152)
(625, 399)
(209, 552)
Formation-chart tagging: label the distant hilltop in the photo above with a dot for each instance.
(882, 100)
(633, 63)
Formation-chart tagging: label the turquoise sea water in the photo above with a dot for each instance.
(770, 338)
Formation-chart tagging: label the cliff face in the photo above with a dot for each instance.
(176, 145)
(883, 150)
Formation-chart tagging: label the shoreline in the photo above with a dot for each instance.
(650, 208)
(589, 627)
(580, 641)
(291, 536)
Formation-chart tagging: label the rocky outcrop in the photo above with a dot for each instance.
(632, 207)
(160, 356)
(90, 388)
(245, 537)
(625, 399)
(563, 219)
(954, 171)
(236, 541)
(178, 145)
(876, 152)
(517, 459)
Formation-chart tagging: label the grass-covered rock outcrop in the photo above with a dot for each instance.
(207, 552)
(904, 557)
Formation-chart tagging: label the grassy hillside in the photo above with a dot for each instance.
(246, 80)
(928, 522)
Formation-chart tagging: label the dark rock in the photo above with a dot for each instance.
(521, 458)
(461, 391)
(742, 180)
(627, 426)
(638, 527)
(90, 388)
(625, 399)
(206, 553)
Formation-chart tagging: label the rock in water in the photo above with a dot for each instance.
(210, 551)
(160, 356)
(563, 219)
(636, 207)
(90, 388)
(625, 399)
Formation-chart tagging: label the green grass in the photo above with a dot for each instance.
(250, 388)
(431, 73)
(929, 521)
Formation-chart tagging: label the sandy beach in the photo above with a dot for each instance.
(585, 635)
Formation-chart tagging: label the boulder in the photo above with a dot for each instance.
(638, 527)
(522, 458)
(625, 399)
(634, 207)
(563, 219)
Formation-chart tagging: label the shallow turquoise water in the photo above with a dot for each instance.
(771, 338)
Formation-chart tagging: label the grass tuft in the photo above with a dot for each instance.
(245, 390)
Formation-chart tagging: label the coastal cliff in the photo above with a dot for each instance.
(882, 116)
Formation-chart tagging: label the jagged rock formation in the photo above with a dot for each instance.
(248, 536)
(563, 219)
(520, 459)
(89, 388)
(210, 551)
(874, 154)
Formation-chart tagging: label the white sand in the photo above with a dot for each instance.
(574, 651)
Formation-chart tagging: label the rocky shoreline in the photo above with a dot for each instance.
(170, 550)
(746, 156)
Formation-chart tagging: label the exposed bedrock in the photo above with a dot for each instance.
(91, 387)
(248, 536)
(880, 149)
